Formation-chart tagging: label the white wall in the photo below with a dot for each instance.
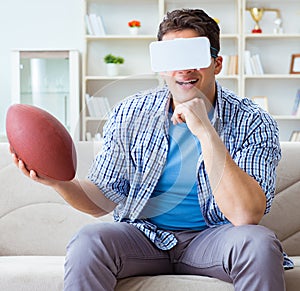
(36, 24)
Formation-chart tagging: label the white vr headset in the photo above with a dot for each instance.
(180, 54)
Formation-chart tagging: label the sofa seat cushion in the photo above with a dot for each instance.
(31, 273)
(292, 277)
(189, 282)
(173, 282)
(37, 273)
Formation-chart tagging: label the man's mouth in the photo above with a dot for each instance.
(189, 82)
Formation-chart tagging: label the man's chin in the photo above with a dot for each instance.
(181, 97)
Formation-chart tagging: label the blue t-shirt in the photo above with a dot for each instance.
(174, 203)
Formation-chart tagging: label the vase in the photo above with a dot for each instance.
(134, 30)
(112, 69)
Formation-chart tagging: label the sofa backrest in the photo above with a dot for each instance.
(284, 217)
(35, 220)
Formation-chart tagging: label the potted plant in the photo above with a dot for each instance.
(134, 26)
(112, 64)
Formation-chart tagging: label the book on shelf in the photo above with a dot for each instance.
(98, 107)
(247, 63)
(258, 69)
(88, 25)
(252, 64)
(103, 108)
(295, 136)
(229, 65)
(101, 25)
(296, 107)
(94, 24)
(90, 105)
(90, 137)
(98, 136)
(233, 65)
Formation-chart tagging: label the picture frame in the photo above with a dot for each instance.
(261, 101)
(295, 136)
(295, 64)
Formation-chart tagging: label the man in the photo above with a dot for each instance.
(189, 170)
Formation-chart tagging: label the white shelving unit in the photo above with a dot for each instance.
(135, 73)
(275, 50)
(236, 23)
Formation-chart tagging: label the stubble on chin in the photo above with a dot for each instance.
(180, 96)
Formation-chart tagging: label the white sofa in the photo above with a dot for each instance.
(36, 224)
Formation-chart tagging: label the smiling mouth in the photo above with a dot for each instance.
(190, 82)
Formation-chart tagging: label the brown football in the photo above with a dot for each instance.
(41, 142)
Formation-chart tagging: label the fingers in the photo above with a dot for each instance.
(177, 117)
(194, 108)
(11, 149)
(20, 164)
(180, 113)
(23, 168)
(33, 175)
(30, 173)
(15, 159)
(194, 114)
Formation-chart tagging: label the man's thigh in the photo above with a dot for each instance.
(130, 250)
(211, 252)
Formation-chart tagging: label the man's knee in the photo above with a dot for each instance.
(256, 243)
(88, 253)
(103, 237)
(255, 236)
(88, 241)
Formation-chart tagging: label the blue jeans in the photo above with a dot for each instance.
(249, 256)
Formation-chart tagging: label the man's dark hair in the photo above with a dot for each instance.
(195, 19)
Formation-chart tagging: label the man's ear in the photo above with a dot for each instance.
(218, 65)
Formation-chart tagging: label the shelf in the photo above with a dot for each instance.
(131, 77)
(228, 77)
(46, 93)
(273, 76)
(278, 1)
(229, 35)
(145, 36)
(88, 118)
(120, 36)
(272, 36)
(286, 117)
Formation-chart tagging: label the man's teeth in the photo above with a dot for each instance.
(187, 82)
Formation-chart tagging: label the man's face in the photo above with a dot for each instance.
(188, 84)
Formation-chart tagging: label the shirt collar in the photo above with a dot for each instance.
(217, 120)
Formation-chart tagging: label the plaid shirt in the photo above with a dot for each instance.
(136, 145)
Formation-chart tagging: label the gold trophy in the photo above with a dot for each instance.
(256, 14)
